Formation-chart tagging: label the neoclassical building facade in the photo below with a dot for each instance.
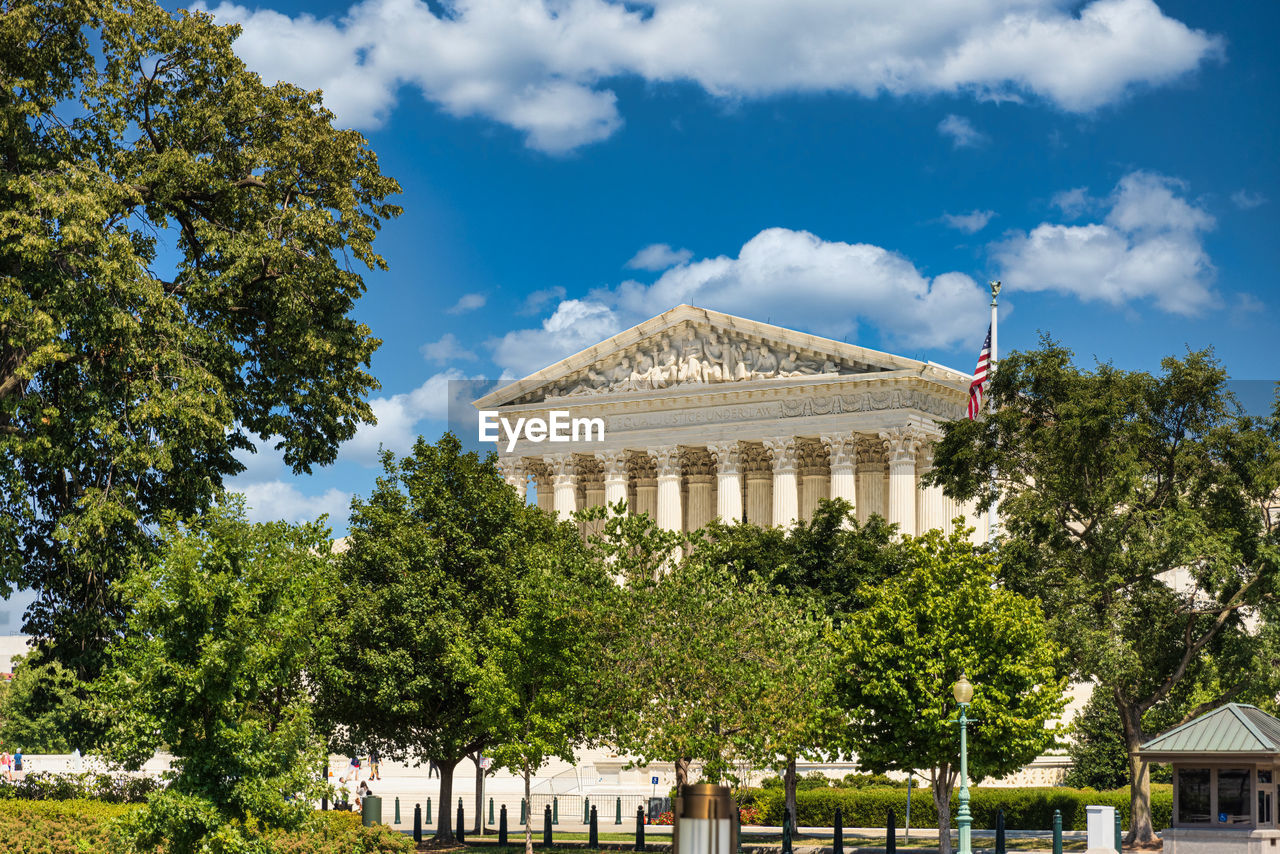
(709, 415)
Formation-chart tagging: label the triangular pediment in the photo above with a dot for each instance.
(691, 348)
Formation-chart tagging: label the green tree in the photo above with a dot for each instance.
(900, 655)
(40, 707)
(431, 577)
(176, 247)
(222, 627)
(1135, 507)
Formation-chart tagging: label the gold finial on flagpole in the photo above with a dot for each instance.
(995, 290)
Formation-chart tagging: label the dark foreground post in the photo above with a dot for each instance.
(397, 821)
(837, 844)
(428, 812)
(786, 831)
(1057, 832)
(1000, 846)
(586, 810)
(524, 816)
(502, 825)
(546, 826)
(1119, 840)
(617, 817)
(458, 831)
(417, 822)
(891, 834)
(555, 810)
(593, 839)
(639, 828)
(491, 811)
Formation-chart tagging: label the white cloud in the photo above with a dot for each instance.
(399, 417)
(543, 67)
(1149, 246)
(447, 349)
(790, 278)
(1073, 202)
(275, 500)
(1248, 199)
(468, 302)
(970, 223)
(533, 302)
(961, 132)
(658, 256)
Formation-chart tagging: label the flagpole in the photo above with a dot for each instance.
(992, 519)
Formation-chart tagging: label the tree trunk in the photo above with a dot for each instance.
(479, 825)
(682, 775)
(941, 786)
(1141, 834)
(789, 791)
(444, 822)
(528, 812)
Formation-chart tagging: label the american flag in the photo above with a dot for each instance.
(980, 376)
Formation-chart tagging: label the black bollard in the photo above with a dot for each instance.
(458, 831)
(1000, 848)
(617, 819)
(786, 831)
(428, 812)
(555, 810)
(502, 826)
(593, 837)
(324, 804)
(417, 822)
(891, 835)
(1057, 832)
(639, 828)
(546, 826)
(837, 843)
(524, 816)
(397, 809)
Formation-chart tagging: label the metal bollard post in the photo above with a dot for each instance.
(417, 822)
(1000, 843)
(1057, 832)
(786, 831)
(586, 809)
(502, 826)
(491, 811)
(555, 810)
(428, 812)
(639, 828)
(397, 821)
(1119, 839)
(593, 835)
(891, 834)
(546, 826)
(324, 804)
(837, 843)
(458, 831)
(524, 815)
(617, 819)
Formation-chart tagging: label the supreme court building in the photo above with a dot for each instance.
(706, 414)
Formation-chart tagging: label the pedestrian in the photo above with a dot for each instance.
(6, 766)
(353, 770)
(374, 773)
(17, 764)
(362, 791)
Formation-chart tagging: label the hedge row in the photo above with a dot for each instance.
(89, 786)
(76, 827)
(1024, 809)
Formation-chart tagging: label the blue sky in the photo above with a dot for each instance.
(853, 168)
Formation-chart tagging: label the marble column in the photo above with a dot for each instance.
(759, 474)
(843, 451)
(541, 483)
(670, 516)
(698, 467)
(901, 444)
(728, 482)
(614, 466)
(931, 507)
(644, 476)
(870, 476)
(513, 472)
(564, 482)
(815, 478)
(786, 497)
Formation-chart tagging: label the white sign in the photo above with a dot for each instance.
(560, 427)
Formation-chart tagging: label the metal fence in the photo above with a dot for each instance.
(575, 808)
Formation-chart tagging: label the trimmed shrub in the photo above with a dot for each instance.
(88, 786)
(1024, 809)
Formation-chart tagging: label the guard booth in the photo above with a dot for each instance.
(1226, 765)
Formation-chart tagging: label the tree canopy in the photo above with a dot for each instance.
(899, 657)
(40, 707)
(176, 283)
(1138, 508)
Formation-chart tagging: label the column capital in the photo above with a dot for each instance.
(785, 453)
(512, 468)
(843, 448)
(561, 467)
(727, 456)
(901, 443)
(614, 464)
(667, 458)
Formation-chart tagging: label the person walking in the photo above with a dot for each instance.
(6, 766)
(353, 770)
(17, 764)
(374, 772)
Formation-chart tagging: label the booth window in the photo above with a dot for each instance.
(1234, 794)
(1193, 795)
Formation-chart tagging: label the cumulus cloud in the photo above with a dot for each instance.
(791, 278)
(1148, 246)
(961, 132)
(1247, 200)
(543, 67)
(658, 256)
(277, 500)
(1073, 202)
(970, 223)
(468, 302)
(399, 417)
(535, 301)
(447, 349)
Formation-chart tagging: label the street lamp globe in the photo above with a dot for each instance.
(963, 690)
